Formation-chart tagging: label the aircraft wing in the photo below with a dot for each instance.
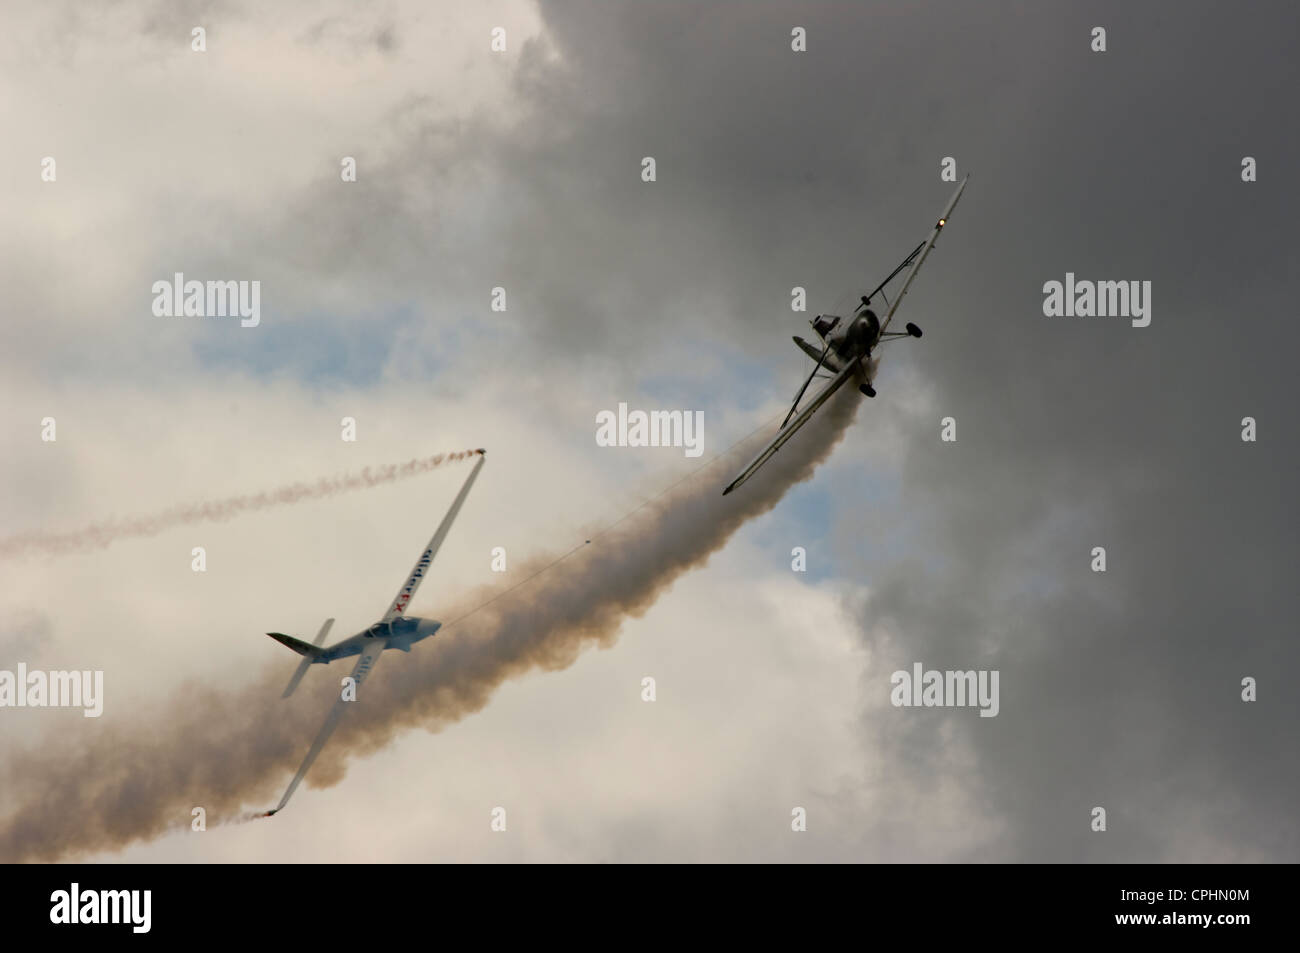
(788, 431)
(925, 251)
(407, 592)
(365, 664)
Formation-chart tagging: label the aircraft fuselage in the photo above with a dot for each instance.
(400, 634)
(849, 339)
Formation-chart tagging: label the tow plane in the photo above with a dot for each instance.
(393, 631)
(847, 346)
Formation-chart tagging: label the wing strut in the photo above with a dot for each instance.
(866, 299)
(799, 396)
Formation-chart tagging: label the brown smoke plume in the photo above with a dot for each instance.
(228, 751)
(99, 535)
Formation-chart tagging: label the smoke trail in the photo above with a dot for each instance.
(100, 535)
(226, 751)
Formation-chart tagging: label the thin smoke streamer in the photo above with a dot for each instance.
(230, 751)
(100, 535)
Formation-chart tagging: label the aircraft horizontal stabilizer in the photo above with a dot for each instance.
(816, 354)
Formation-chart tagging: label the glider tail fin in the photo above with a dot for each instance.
(309, 652)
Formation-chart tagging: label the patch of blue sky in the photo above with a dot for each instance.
(804, 518)
(728, 377)
(315, 349)
(824, 515)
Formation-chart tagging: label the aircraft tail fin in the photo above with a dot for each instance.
(309, 652)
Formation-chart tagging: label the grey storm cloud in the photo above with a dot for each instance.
(1122, 689)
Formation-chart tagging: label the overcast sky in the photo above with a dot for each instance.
(775, 169)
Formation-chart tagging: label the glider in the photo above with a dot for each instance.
(393, 631)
